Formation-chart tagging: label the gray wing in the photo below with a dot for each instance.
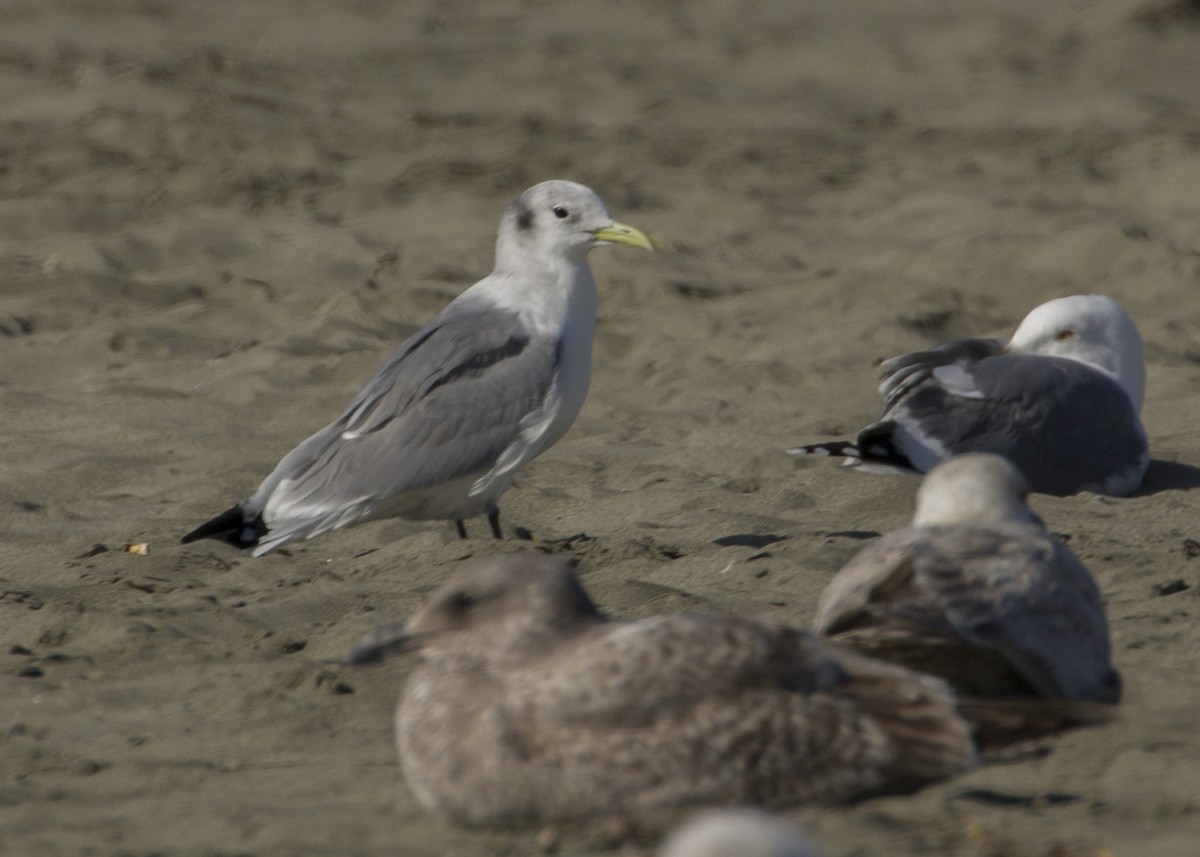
(446, 404)
(899, 375)
(1012, 590)
(1067, 426)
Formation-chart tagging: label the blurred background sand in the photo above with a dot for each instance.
(218, 218)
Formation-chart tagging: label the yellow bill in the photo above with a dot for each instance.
(623, 233)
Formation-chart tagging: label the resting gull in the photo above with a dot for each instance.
(532, 708)
(1061, 401)
(977, 592)
(442, 429)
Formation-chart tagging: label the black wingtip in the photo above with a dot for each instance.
(875, 445)
(230, 526)
(830, 449)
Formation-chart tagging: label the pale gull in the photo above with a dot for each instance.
(531, 707)
(1061, 400)
(977, 592)
(442, 429)
(743, 832)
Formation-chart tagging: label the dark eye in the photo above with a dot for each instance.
(560, 212)
(1064, 335)
(463, 601)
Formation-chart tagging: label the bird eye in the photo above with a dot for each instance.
(1064, 335)
(560, 212)
(463, 601)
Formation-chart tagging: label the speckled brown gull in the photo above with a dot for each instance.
(532, 707)
(441, 430)
(978, 592)
(737, 833)
(1061, 400)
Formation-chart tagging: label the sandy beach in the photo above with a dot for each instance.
(217, 219)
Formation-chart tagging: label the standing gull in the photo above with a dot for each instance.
(533, 708)
(977, 592)
(1061, 401)
(442, 429)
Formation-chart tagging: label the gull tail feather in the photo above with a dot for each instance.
(1007, 726)
(231, 526)
(929, 738)
(873, 451)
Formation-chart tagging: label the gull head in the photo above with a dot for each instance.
(1092, 329)
(560, 219)
(975, 489)
(498, 609)
(741, 832)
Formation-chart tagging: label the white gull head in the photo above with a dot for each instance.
(1092, 329)
(977, 488)
(741, 832)
(558, 220)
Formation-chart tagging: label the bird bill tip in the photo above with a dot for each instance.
(377, 645)
(623, 233)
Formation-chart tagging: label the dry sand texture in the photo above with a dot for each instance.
(217, 218)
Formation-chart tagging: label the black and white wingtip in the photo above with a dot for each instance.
(831, 449)
(231, 527)
(874, 451)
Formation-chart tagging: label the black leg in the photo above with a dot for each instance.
(494, 520)
(462, 530)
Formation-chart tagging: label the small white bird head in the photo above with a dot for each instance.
(560, 218)
(741, 832)
(1092, 329)
(976, 488)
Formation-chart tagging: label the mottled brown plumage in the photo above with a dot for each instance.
(977, 592)
(532, 707)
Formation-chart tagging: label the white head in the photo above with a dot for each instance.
(736, 833)
(1092, 329)
(558, 219)
(977, 488)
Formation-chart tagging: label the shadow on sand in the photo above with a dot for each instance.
(1169, 476)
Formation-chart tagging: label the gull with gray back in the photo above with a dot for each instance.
(1061, 400)
(443, 428)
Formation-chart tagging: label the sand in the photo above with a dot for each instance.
(216, 220)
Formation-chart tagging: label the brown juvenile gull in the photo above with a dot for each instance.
(977, 592)
(442, 429)
(1061, 400)
(740, 832)
(531, 707)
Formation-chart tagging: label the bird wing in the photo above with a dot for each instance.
(1011, 589)
(1067, 426)
(899, 375)
(445, 405)
(711, 696)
